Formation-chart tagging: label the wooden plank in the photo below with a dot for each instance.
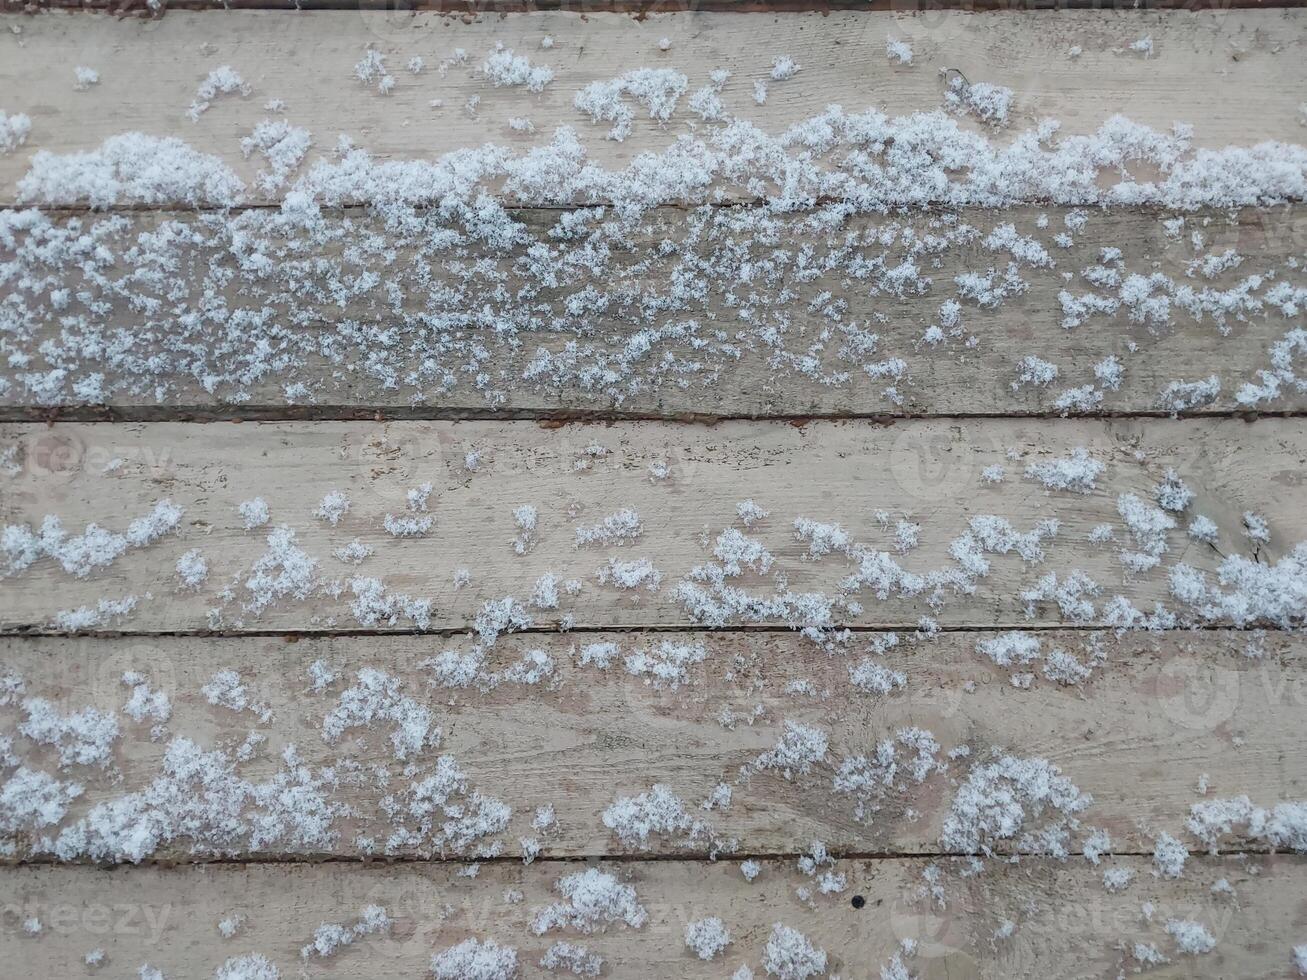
(1066, 924)
(141, 8)
(577, 476)
(149, 71)
(411, 340)
(1161, 713)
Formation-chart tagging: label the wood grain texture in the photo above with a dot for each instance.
(1066, 925)
(644, 8)
(150, 70)
(364, 350)
(1160, 712)
(1163, 721)
(578, 475)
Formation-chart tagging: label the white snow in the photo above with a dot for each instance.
(223, 80)
(1191, 937)
(594, 900)
(898, 50)
(790, 955)
(707, 937)
(475, 959)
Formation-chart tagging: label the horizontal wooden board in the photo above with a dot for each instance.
(458, 328)
(150, 70)
(1159, 714)
(577, 476)
(1065, 924)
(637, 7)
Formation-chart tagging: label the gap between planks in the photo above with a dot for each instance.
(639, 9)
(590, 629)
(292, 859)
(237, 414)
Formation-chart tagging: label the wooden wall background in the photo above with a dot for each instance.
(1170, 718)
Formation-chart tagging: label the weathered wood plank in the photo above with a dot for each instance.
(149, 71)
(337, 325)
(1159, 713)
(577, 476)
(1066, 925)
(642, 7)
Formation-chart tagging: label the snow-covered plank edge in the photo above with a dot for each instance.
(1036, 918)
(1105, 312)
(648, 745)
(1094, 65)
(503, 526)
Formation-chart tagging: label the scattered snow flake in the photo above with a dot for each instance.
(617, 528)
(595, 899)
(84, 737)
(1191, 937)
(1032, 370)
(790, 955)
(1117, 879)
(376, 697)
(333, 506)
(284, 147)
(526, 517)
(1077, 473)
(784, 67)
(372, 68)
(999, 801)
(565, 957)
(192, 569)
(666, 663)
(1183, 396)
(987, 102)
(750, 513)
(658, 89)
(503, 67)
(1148, 955)
(1255, 528)
(330, 936)
(223, 80)
(254, 512)
(31, 800)
(1300, 959)
(707, 937)
(255, 966)
(1172, 494)
(144, 703)
(798, 749)
(898, 50)
(658, 811)
(475, 959)
(14, 130)
(1169, 856)
(1011, 648)
(225, 689)
(630, 575)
